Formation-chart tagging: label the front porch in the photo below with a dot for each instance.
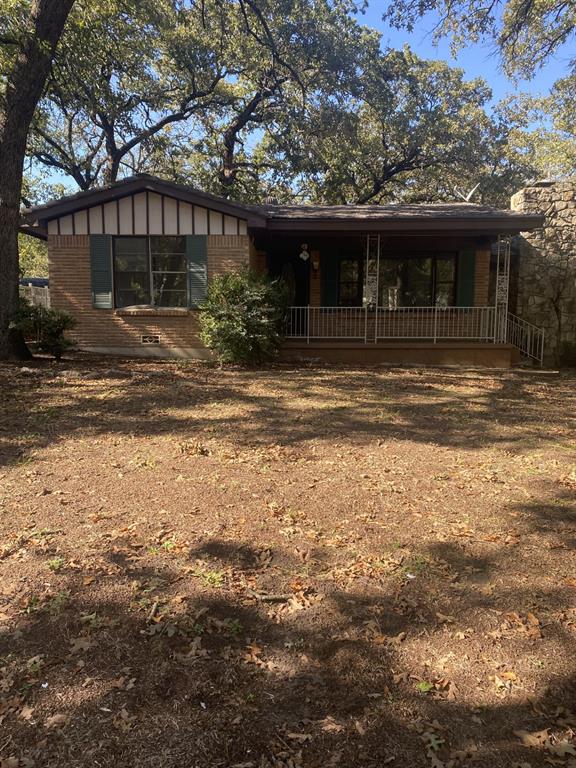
(404, 353)
(436, 299)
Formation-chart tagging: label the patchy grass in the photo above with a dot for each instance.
(306, 568)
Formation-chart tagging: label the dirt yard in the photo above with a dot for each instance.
(316, 568)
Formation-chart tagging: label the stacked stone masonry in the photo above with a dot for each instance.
(546, 288)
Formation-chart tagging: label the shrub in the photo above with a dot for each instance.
(243, 316)
(46, 326)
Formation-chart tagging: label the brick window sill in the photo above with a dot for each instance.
(152, 312)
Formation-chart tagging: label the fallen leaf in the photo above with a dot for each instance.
(561, 749)
(79, 644)
(330, 725)
(534, 738)
(56, 721)
(300, 737)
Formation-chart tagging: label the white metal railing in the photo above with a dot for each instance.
(527, 338)
(435, 324)
(372, 324)
(326, 323)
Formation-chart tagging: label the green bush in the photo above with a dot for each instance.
(242, 318)
(45, 326)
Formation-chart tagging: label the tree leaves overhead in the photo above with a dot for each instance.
(527, 32)
(253, 99)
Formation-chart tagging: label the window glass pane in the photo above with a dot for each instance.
(349, 271)
(349, 284)
(168, 255)
(445, 273)
(169, 281)
(444, 270)
(168, 244)
(170, 290)
(170, 298)
(131, 276)
(444, 294)
(405, 282)
(389, 283)
(168, 262)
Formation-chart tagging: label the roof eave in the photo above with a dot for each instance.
(33, 231)
(44, 213)
(494, 225)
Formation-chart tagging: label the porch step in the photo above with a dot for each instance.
(402, 353)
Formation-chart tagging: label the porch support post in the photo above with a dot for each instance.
(371, 280)
(502, 289)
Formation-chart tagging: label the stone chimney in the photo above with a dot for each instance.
(546, 287)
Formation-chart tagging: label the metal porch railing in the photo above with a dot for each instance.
(434, 324)
(527, 338)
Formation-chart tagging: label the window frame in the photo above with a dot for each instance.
(151, 272)
(360, 283)
(433, 282)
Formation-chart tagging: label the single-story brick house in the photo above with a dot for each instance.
(400, 283)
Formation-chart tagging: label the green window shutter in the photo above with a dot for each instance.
(466, 275)
(197, 258)
(330, 271)
(101, 271)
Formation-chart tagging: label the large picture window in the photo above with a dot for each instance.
(350, 283)
(150, 271)
(419, 281)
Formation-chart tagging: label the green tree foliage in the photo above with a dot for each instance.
(548, 146)
(414, 130)
(126, 73)
(242, 318)
(33, 257)
(251, 99)
(45, 327)
(527, 33)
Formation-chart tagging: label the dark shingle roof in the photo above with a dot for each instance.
(392, 217)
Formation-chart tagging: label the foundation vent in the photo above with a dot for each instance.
(150, 338)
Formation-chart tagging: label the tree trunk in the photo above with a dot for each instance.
(24, 86)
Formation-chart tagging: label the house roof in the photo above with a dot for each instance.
(446, 217)
(399, 217)
(39, 214)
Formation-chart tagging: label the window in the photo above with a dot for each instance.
(150, 271)
(444, 281)
(131, 271)
(168, 255)
(350, 283)
(419, 281)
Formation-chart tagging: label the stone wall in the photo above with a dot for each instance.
(546, 289)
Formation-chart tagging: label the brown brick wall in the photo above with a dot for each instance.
(227, 252)
(70, 290)
(315, 280)
(482, 279)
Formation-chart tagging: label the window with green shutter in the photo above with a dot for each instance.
(466, 277)
(101, 271)
(197, 261)
(164, 271)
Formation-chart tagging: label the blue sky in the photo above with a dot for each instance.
(475, 60)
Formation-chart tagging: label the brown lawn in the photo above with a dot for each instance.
(322, 567)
